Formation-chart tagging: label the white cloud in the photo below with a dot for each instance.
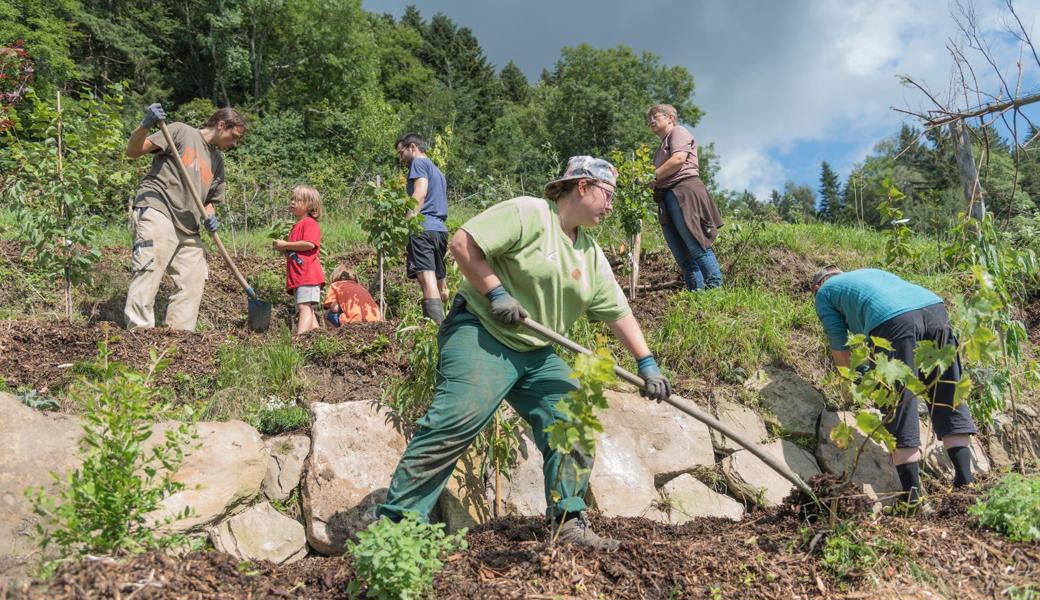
(769, 75)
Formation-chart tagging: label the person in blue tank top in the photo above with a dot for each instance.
(425, 256)
(880, 304)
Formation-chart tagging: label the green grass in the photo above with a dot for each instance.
(251, 376)
(728, 331)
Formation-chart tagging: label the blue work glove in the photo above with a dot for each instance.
(211, 223)
(152, 115)
(505, 308)
(657, 387)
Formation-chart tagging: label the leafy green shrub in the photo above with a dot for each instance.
(103, 506)
(270, 287)
(399, 560)
(1012, 507)
(279, 416)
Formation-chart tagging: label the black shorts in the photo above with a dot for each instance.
(904, 331)
(426, 253)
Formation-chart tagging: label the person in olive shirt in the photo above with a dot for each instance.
(880, 304)
(524, 256)
(165, 220)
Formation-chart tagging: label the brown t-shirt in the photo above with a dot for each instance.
(679, 139)
(162, 189)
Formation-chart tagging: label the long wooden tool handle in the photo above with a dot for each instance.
(183, 171)
(685, 406)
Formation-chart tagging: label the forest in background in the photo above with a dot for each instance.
(328, 87)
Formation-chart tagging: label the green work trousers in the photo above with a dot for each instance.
(475, 372)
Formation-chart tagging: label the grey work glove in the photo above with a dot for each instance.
(657, 387)
(505, 308)
(152, 115)
(211, 223)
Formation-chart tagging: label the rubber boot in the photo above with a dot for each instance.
(433, 309)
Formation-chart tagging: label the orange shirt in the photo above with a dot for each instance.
(355, 303)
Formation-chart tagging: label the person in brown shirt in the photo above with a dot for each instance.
(165, 221)
(689, 218)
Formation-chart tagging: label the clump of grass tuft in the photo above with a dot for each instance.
(726, 333)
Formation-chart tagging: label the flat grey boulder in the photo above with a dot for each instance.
(523, 492)
(744, 421)
(222, 473)
(261, 533)
(354, 451)
(285, 468)
(667, 441)
(32, 445)
(686, 498)
(796, 404)
(751, 479)
(873, 466)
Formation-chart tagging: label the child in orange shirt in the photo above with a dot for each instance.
(347, 301)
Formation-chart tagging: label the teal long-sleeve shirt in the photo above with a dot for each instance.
(860, 300)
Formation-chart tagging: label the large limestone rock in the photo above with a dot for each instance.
(643, 443)
(261, 533)
(222, 473)
(463, 502)
(687, 498)
(754, 481)
(284, 470)
(873, 467)
(354, 451)
(794, 401)
(666, 440)
(744, 421)
(524, 492)
(32, 445)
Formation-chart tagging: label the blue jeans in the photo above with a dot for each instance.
(700, 268)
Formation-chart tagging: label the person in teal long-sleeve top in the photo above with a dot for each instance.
(880, 304)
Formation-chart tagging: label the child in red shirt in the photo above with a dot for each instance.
(304, 277)
(347, 300)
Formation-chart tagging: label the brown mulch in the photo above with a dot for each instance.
(768, 555)
(42, 354)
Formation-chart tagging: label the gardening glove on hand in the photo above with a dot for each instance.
(211, 223)
(152, 115)
(505, 308)
(657, 387)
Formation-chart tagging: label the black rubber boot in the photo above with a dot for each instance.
(433, 309)
(961, 459)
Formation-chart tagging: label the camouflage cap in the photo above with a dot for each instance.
(583, 167)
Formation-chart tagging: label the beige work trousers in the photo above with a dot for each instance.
(161, 248)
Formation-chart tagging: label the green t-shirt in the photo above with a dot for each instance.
(555, 280)
(162, 189)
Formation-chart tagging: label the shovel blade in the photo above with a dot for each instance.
(259, 314)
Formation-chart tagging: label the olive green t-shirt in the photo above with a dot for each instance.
(555, 280)
(162, 189)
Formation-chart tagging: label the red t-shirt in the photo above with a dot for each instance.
(304, 268)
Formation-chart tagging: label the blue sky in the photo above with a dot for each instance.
(784, 85)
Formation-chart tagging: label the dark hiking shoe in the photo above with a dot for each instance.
(578, 531)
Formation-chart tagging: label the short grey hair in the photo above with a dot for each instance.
(822, 274)
(663, 109)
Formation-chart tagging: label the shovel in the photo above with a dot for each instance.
(685, 406)
(259, 311)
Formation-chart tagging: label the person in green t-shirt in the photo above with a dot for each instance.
(523, 257)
